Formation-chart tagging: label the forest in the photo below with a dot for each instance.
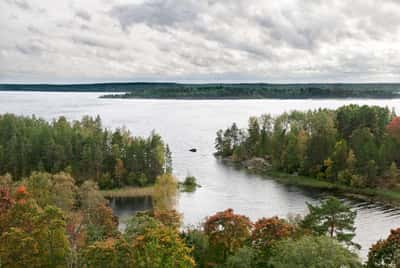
(48, 220)
(166, 90)
(53, 214)
(262, 91)
(83, 148)
(356, 146)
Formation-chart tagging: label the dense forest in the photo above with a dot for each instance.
(354, 145)
(260, 91)
(112, 158)
(221, 90)
(48, 220)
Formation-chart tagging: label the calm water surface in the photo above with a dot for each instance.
(185, 124)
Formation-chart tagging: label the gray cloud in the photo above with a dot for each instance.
(22, 4)
(191, 40)
(158, 13)
(30, 49)
(83, 14)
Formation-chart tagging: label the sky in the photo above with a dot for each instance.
(285, 41)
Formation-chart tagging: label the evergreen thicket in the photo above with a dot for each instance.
(113, 158)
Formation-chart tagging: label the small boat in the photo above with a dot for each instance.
(193, 150)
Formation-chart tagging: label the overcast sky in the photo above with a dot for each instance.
(73, 41)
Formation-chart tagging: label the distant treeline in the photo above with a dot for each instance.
(260, 91)
(82, 148)
(222, 90)
(354, 145)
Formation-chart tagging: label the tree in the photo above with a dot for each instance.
(267, 231)
(89, 195)
(168, 160)
(197, 240)
(339, 157)
(253, 140)
(322, 139)
(310, 251)
(245, 257)
(393, 128)
(100, 223)
(161, 247)
(165, 190)
(63, 191)
(110, 253)
(31, 236)
(39, 186)
(333, 218)
(385, 253)
(227, 232)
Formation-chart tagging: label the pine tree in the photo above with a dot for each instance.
(333, 218)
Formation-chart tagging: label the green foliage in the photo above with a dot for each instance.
(198, 241)
(82, 148)
(244, 258)
(312, 252)
(189, 184)
(240, 91)
(353, 145)
(332, 218)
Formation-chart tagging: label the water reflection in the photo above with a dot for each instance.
(125, 207)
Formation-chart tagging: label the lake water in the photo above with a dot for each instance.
(186, 124)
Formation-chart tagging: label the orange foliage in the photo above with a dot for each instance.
(21, 191)
(268, 230)
(385, 251)
(102, 215)
(168, 217)
(228, 230)
(393, 128)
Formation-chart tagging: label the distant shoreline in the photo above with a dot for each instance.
(223, 91)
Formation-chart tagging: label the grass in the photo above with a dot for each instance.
(129, 191)
(369, 194)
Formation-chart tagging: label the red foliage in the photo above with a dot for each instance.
(268, 230)
(393, 128)
(6, 201)
(384, 252)
(228, 230)
(21, 193)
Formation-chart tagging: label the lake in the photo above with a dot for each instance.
(186, 124)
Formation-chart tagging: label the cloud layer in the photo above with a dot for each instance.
(200, 41)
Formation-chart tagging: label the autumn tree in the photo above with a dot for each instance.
(269, 230)
(385, 253)
(158, 246)
(227, 232)
(89, 195)
(165, 191)
(109, 253)
(32, 236)
(63, 191)
(393, 128)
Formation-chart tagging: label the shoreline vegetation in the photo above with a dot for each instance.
(352, 150)
(128, 191)
(364, 194)
(82, 148)
(221, 90)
